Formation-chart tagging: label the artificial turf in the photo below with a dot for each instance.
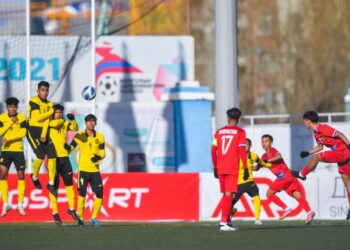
(178, 235)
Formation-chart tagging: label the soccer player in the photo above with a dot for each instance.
(284, 181)
(13, 127)
(91, 146)
(227, 149)
(40, 111)
(331, 138)
(58, 133)
(248, 186)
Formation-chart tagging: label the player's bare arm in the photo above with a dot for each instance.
(342, 137)
(277, 157)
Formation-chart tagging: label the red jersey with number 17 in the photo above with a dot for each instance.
(227, 141)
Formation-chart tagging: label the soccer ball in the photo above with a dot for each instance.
(89, 93)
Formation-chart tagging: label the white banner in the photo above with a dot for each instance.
(325, 193)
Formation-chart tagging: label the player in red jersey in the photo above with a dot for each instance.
(331, 138)
(284, 181)
(228, 148)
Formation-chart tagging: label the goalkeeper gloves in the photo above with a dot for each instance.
(216, 173)
(246, 174)
(96, 158)
(71, 117)
(304, 154)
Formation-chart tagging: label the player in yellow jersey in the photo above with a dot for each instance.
(40, 111)
(12, 130)
(248, 186)
(58, 133)
(91, 146)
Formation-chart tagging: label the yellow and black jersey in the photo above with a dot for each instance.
(12, 132)
(58, 133)
(89, 147)
(39, 113)
(253, 159)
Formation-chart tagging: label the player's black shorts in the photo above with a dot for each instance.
(249, 187)
(40, 148)
(95, 181)
(7, 157)
(65, 170)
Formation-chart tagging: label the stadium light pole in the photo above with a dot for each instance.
(226, 62)
(28, 71)
(93, 51)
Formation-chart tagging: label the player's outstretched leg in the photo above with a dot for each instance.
(272, 197)
(310, 166)
(305, 204)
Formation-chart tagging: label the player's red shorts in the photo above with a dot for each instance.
(288, 184)
(342, 157)
(228, 183)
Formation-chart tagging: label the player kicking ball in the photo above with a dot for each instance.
(248, 186)
(284, 181)
(58, 133)
(13, 127)
(91, 146)
(227, 149)
(331, 138)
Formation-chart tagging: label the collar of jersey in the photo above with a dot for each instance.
(88, 135)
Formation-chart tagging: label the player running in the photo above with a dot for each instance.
(92, 150)
(58, 133)
(284, 181)
(13, 127)
(227, 149)
(248, 186)
(40, 111)
(331, 138)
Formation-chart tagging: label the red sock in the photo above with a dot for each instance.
(303, 202)
(273, 198)
(226, 208)
(349, 199)
(305, 171)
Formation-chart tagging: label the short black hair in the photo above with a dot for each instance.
(311, 115)
(267, 136)
(12, 101)
(234, 113)
(90, 117)
(43, 83)
(58, 107)
(249, 141)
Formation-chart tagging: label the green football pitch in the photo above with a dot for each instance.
(272, 235)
